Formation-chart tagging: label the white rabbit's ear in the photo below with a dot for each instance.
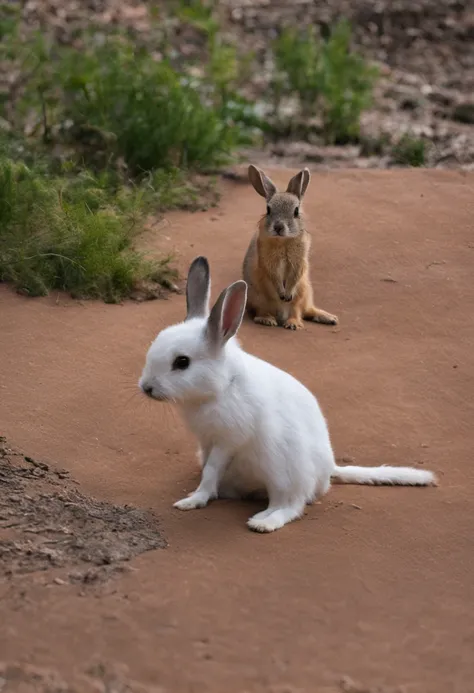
(298, 184)
(227, 314)
(261, 182)
(198, 288)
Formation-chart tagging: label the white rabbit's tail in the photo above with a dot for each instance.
(389, 476)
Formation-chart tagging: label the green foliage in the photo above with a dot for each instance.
(111, 98)
(9, 22)
(141, 122)
(328, 78)
(410, 151)
(198, 13)
(121, 102)
(73, 234)
(225, 71)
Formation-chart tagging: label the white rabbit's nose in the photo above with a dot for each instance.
(147, 389)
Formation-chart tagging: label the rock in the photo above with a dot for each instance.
(464, 112)
(441, 97)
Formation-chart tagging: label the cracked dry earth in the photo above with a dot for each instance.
(105, 588)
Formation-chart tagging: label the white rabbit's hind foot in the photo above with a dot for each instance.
(274, 518)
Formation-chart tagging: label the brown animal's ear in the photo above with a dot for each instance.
(227, 314)
(298, 184)
(262, 183)
(198, 288)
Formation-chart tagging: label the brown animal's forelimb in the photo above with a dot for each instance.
(290, 283)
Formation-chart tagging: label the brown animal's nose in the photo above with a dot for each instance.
(279, 227)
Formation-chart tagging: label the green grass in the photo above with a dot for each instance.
(144, 110)
(99, 137)
(115, 100)
(112, 128)
(410, 151)
(73, 235)
(330, 80)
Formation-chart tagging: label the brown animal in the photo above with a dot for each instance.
(276, 263)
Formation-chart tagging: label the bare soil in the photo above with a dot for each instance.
(46, 522)
(371, 591)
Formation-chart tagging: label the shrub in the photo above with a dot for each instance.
(139, 121)
(328, 78)
(143, 110)
(113, 98)
(75, 236)
(410, 151)
(225, 70)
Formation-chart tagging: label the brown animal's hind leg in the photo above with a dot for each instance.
(294, 321)
(267, 320)
(317, 315)
(260, 310)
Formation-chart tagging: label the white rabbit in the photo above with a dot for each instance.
(260, 430)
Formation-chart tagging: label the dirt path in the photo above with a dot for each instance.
(375, 584)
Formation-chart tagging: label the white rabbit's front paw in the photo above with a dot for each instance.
(195, 500)
(263, 526)
(270, 520)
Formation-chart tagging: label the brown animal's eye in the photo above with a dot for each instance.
(181, 363)
(268, 211)
(297, 212)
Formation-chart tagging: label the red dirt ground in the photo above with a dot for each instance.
(374, 589)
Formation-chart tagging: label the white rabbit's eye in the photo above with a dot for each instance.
(297, 212)
(181, 363)
(268, 211)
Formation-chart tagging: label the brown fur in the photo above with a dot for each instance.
(276, 266)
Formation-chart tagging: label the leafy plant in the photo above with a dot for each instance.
(410, 151)
(141, 122)
(110, 99)
(143, 110)
(198, 13)
(328, 78)
(72, 235)
(225, 71)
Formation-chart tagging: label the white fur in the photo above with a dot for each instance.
(388, 476)
(259, 429)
